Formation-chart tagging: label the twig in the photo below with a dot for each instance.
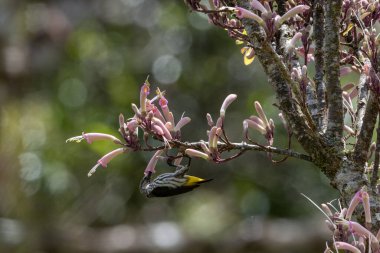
(243, 146)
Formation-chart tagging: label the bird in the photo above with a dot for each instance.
(170, 184)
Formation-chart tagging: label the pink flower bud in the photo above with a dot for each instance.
(353, 204)
(169, 126)
(254, 125)
(243, 13)
(229, 99)
(158, 130)
(346, 246)
(136, 110)
(182, 122)
(367, 210)
(292, 43)
(144, 92)
(258, 6)
(111, 155)
(257, 120)
(291, 13)
(166, 131)
(210, 122)
(132, 125)
(205, 148)
(261, 113)
(327, 210)
(153, 162)
(90, 137)
(196, 153)
(106, 159)
(211, 137)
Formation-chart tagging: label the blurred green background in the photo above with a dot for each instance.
(68, 66)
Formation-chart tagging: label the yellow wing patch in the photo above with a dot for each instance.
(191, 180)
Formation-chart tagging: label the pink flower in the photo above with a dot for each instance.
(292, 43)
(90, 137)
(227, 101)
(196, 153)
(346, 246)
(136, 110)
(291, 13)
(153, 162)
(182, 122)
(243, 13)
(210, 122)
(166, 131)
(254, 125)
(354, 203)
(258, 6)
(144, 92)
(261, 114)
(367, 210)
(106, 159)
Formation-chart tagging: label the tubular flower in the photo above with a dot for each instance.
(291, 13)
(90, 137)
(210, 122)
(367, 210)
(150, 168)
(254, 125)
(261, 113)
(106, 159)
(227, 101)
(165, 130)
(346, 246)
(358, 197)
(196, 153)
(258, 6)
(243, 13)
(181, 123)
(144, 92)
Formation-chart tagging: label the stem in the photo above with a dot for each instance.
(242, 146)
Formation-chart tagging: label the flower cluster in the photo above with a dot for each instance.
(210, 149)
(351, 235)
(155, 120)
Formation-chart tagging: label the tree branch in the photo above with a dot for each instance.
(318, 36)
(334, 132)
(366, 131)
(375, 171)
(362, 101)
(279, 78)
(241, 147)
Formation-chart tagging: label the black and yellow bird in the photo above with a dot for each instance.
(170, 184)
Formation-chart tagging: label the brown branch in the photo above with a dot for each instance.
(365, 135)
(241, 147)
(362, 101)
(375, 171)
(334, 132)
(318, 36)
